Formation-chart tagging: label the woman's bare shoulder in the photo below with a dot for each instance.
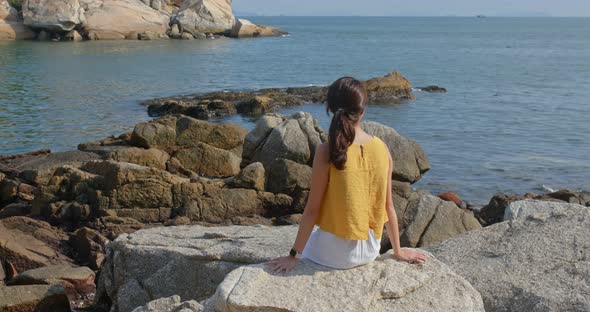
(322, 151)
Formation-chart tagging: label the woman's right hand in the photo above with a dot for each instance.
(411, 256)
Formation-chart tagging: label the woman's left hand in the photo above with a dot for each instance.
(282, 264)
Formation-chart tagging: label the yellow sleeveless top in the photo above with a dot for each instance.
(354, 201)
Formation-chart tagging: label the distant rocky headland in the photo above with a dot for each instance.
(76, 20)
(164, 218)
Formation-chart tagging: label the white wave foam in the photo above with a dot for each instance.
(548, 189)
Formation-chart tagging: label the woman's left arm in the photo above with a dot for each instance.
(319, 183)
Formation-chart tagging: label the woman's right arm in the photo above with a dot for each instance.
(393, 228)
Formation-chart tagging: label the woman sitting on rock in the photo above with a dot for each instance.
(350, 198)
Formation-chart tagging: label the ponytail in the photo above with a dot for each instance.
(341, 136)
(346, 99)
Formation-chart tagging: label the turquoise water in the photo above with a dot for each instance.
(515, 118)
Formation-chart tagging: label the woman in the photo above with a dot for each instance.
(350, 197)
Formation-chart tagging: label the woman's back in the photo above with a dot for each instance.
(355, 196)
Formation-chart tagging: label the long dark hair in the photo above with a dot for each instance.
(347, 99)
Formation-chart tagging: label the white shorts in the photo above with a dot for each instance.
(332, 251)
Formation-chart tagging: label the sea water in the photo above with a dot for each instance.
(515, 118)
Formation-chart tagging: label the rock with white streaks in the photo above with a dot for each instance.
(189, 261)
(53, 15)
(383, 285)
(537, 261)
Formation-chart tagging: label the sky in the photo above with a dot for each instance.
(413, 7)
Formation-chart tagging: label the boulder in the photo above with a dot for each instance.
(205, 16)
(187, 36)
(292, 219)
(393, 87)
(251, 177)
(40, 168)
(410, 162)
(11, 27)
(570, 196)
(221, 135)
(523, 209)
(494, 211)
(53, 15)
(288, 177)
(251, 220)
(89, 247)
(28, 244)
(219, 204)
(151, 157)
(537, 261)
(34, 298)
(383, 285)
(433, 89)
(159, 134)
(74, 35)
(128, 185)
(244, 28)
(430, 220)
(260, 133)
(293, 139)
(8, 191)
(170, 304)
(189, 261)
(15, 209)
(209, 161)
(255, 106)
(77, 281)
(120, 19)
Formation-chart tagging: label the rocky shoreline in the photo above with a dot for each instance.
(390, 89)
(171, 208)
(77, 20)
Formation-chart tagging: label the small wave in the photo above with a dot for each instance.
(547, 188)
(287, 35)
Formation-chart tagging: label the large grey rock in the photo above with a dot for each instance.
(53, 15)
(258, 135)
(534, 262)
(205, 16)
(523, 209)
(409, 160)
(294, 138)
(383, 285)
(122, 19)
(11, 27)
(495, 210)
(189, 261)
(429, 219)
(170, 304)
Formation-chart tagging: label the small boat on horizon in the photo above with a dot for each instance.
(481, 16)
